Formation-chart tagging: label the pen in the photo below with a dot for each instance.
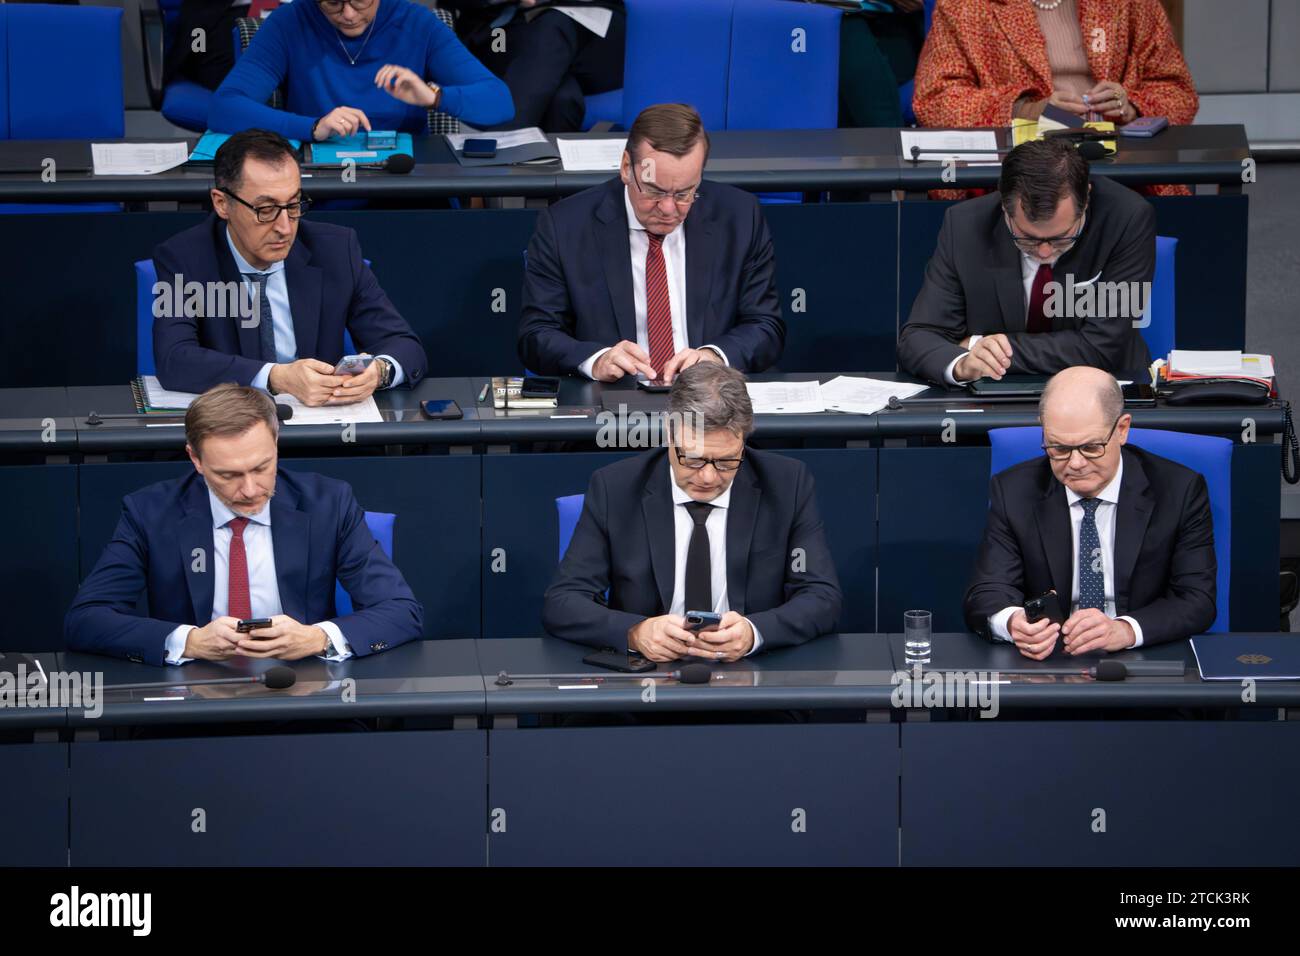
(483, 392)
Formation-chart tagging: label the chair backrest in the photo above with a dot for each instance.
(145, 277)
(1209, 455)
(906, 90)
(785, 66)
(1160, 328)
(380, 524)
(4, 73)
(568, 510)
(698, 32)
(64, 72)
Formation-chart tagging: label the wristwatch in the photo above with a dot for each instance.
(385, 372)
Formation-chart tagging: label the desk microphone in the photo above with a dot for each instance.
(282, 412)
(1106, 670)
(398, 164)
(695, 673)
(276, 678)
(916, 152)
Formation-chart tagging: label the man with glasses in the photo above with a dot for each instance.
(300, 285)
(1124, 537)
(653, 271)
(704, 525)
(1006, 291)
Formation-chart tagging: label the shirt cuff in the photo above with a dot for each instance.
(948, 375)
(998, 623)
(1137, 628)
(721, 354)
(398, 375)
(174, 646)
(758, 638)
(586, 367)
(263, 378)
(342, 650)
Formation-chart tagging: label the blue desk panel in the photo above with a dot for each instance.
(38, 570)
(34, 804)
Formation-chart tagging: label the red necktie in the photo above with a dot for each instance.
(1036, 320)
(658, 309)
(238, 603)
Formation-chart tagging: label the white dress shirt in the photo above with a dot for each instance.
(674, 249)
(1105, 519)
(1028, 270)
(286, 340)
(263, 585)
(716, 525)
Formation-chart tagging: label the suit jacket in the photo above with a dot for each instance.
(578, 280)
(474, 18)
(624, 543)
(318, 534)
(1164, 546)
(973, 284)
(330, 289)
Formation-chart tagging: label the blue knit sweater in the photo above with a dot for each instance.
(299, 48)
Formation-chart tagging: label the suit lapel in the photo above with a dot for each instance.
(1058, 541)
(699, 273)
(303, 281)
(611, 228)
(741, 514)
(1008, 281)
(1132, 515)
(657, 509)
(1020, 28)
(250, 345)
(291, 543)
(196, 549)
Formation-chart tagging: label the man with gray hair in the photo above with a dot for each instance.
(1123, 537)
(706, 524)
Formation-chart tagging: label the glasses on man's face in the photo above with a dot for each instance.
(336, 6)
(270, 212)
(1091, 450)
(1032, 243)
(695, 463)
(683, 197)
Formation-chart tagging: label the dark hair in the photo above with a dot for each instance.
(1039, 174)
(672, 128)
(260, 144)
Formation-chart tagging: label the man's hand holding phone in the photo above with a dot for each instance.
(729, 640)
(218, 640)
(662, 638)
(285, 639)
(309, 380)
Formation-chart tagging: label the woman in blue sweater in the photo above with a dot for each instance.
(359, 64)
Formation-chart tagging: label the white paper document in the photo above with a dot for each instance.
(366, 411)
(864, 396)
(1228, 362)
(137, 159)
(785, 398)
(971, 146)
(505, 139)
(585, 155)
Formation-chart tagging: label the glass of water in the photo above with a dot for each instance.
(916, 637)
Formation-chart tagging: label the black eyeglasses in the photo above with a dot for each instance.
(336, 6)
(1091, 449)
(719, 464)
(270, 212)
(682, 197)
(1058, 243)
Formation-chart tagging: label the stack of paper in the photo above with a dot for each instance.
(1219, 364)
(366, 411)
(586, 155)
(137, 159)
(845, 393)
(969, 146)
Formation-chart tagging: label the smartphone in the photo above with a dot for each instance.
(381, 139)
(613, 660)
(702, 621)
(252, 624)
(353, 364)
(442, 409)
(479, 148)
(1139, 395)
(653, 385)
(1046, 605)
(1144, 126)
(539, 386)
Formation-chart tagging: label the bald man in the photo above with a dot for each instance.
(1123, 536)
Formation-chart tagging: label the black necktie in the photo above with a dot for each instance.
(265, 324)
(699, 572)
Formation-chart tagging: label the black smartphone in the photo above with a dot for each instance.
(539, 386)
(703, 621)
(252, 624)
(613, 660)
(1046, 605)
(481, 148)
(653, 385)
(1139, 395)
(442, 409)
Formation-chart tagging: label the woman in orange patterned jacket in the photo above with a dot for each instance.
(988, 61)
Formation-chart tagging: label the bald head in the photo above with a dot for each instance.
(1083, 408)
(1079, 387)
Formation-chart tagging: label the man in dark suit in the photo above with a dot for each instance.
(1049, 272)
(619, 281)
(704, 525)
(277, 292)
(1123, 536)
(216, 547)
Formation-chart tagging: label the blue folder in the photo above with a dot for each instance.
(1242, 656)
(340, 148)
(205, 151)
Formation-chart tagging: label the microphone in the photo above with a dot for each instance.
(276, 678)
(398, 164)
(1092, 149)
(1105, 670)
(694, 673)
(282, 412)
(916, 153)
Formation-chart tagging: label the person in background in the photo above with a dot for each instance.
(878, 54)
(354, 65)
(216, 19)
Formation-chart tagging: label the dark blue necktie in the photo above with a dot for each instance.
(1092, 578)
(265, 324)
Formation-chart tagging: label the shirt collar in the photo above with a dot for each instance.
(1109, 493)
(680, 497)
(222, 515)
(243, 264)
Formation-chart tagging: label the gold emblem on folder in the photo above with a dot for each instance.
(1254, 658)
